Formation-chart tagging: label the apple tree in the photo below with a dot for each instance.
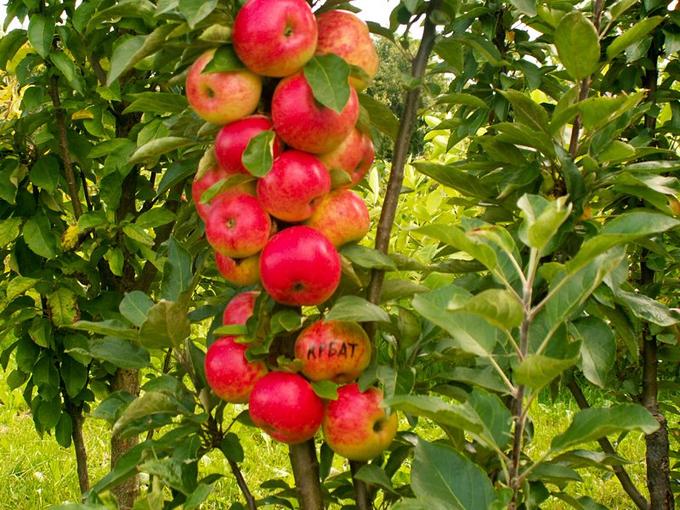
(531, 250)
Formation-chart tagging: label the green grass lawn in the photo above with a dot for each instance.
(37, 473)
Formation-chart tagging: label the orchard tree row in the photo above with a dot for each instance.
(180, 239)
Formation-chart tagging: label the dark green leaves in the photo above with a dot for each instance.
(633, 35)
(259, 154)
(166, 325)
(119, 352)
(135, 306)
(381, 116)
(578, 45)
(40, 32)
(328, 77)
(224, 59)
(354, 308)
(40, 238)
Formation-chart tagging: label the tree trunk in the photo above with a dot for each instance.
(126, 492)
(306, 473)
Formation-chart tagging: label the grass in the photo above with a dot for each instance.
(38, 473)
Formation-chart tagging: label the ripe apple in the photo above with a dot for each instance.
(233, 139)
(344, 34)
(237, 226)
(240, 308)
(285, 406)
(206, 178)
(299, 266)
(275, 37)
(228, 373)
(342, 216)
(333, 350)
(239, 272)
(354, 156)
(296, 182)
(304, 123)
(356, 426)
(222, 97)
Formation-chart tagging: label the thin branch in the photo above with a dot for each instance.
(243, 485)
(64, 147)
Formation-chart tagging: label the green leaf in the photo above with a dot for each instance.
(448, 479)
(368, 258)
(63, 307)
(157, 147)
(617, 151)
(131, 50)
(455, 177)
(178, 171)
(119, 352)
(375, 475)
(328, 77)
(354, 308)
(195, 11)
(456, 415)
(598, 112)
(10, 43)
(40, 33)
(167, 325)
(591, 424)
(63, 430)
(156, 102)
(224, 60)
(537, 370)
(17, 286)
(483, 47)
(155, 218)
(463, 98)
(454, 236)
(598, 348)
(48, 413)
(177, 272)
(74, 375)
(381, 116)
(41, 332)
(578, 45)
(647, 309)
(542, 219)
(9, 230)
(258, 156)
(69, 70)
(327, 390)
(633, 35)
(527, 111)
(45, 173)
(149, 404)
(231, 448)
(40, 238)
(198, 496)
(498, 306)
(136, 233)
(527, 7)
(111, 327)
(135, 306)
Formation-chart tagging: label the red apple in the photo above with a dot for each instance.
(356, 426)
(222, 97)
(240, 308)
(233, 139)
(275, 37)
(344, 34)
(354, 156)
(228, 373)
(342, 216)
(299, 266)
(333, 350)
(237, 226)
(285, 406)
(296, 182)
(305, 124)
(239, 272)
(204, 180)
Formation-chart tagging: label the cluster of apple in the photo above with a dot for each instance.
(285, 405)
(282, 227)
(318, 153)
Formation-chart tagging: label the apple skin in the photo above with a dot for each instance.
(296, 182)
(305, 124)
(354, 156)
(232, 140)
(222, 97)
(347, 36)
(356, 426)
(299, 266)
(228, 373)
(333, 350)
(275, 37)
(239, 272)
(240, 308)
(237, 226)
(341, 216)
(205, 179)
(285, 406)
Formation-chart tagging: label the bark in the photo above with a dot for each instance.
(306, 473)
(125, 492)
(77, 419)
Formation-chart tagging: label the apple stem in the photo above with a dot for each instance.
(306, 472)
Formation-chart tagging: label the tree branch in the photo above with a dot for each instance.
(243, 485)
(306, 473)
(64, 147)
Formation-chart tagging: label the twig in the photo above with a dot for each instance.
(243, 485)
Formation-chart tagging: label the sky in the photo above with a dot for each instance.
(372, 10)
